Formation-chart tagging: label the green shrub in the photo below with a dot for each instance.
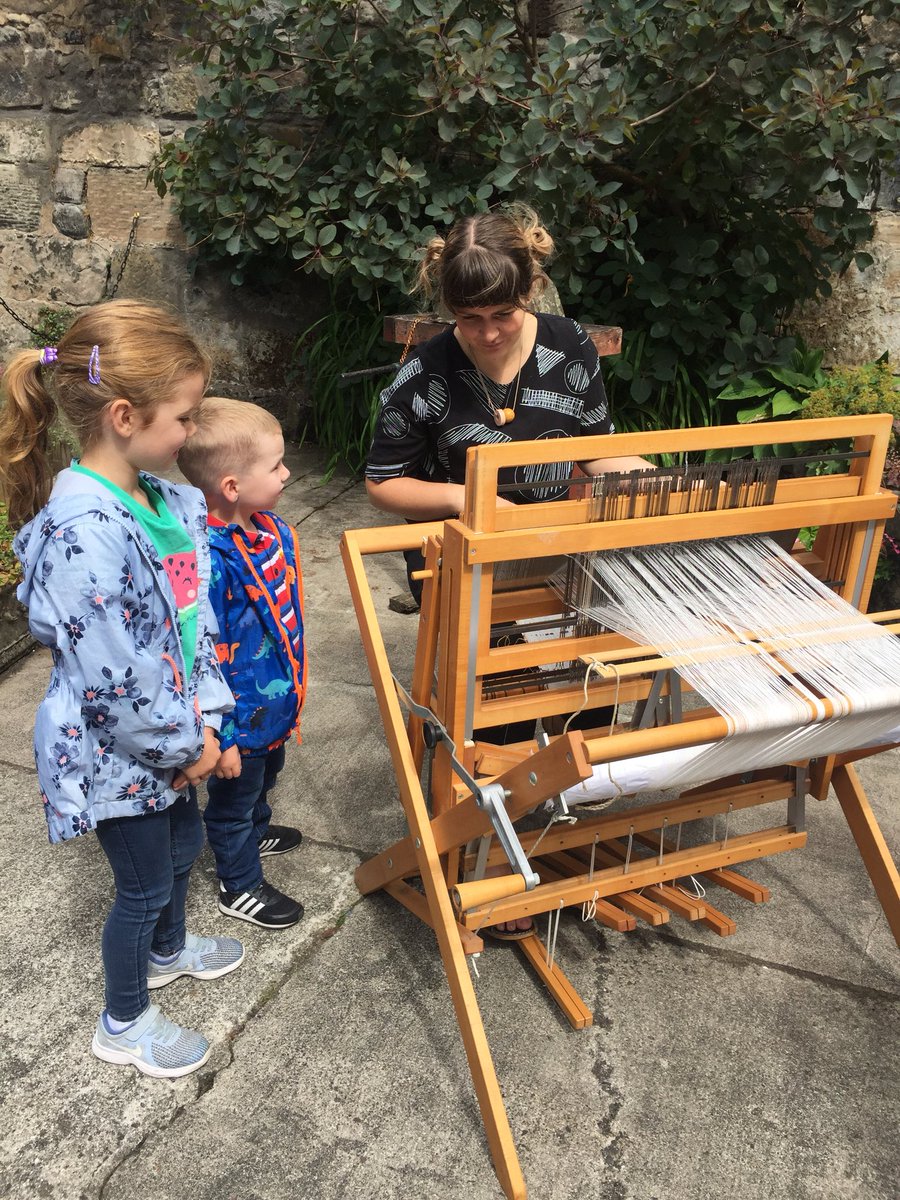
(677, 148)
(10, 572)
(342, 413)
(855, 391)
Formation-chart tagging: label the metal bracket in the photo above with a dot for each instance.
(797, 802)
(489, 797)
(556, 804)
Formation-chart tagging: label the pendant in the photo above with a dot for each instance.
(503, 416)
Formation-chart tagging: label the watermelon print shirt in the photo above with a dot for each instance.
(176, 551)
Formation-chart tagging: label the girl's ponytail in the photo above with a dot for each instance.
(28, 411)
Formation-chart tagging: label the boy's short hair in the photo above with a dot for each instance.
(225, 441)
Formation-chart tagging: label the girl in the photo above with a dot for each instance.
(115, 568)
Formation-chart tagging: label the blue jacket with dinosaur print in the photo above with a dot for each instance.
(264, 667)
(120, 716)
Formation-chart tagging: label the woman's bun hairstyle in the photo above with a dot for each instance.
(486, 260)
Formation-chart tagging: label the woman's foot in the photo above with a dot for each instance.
(511, 931)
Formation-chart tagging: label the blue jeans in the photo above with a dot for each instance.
(237, 818)
(151, 858)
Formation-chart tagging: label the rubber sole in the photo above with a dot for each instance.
(122, 1058)
(229, 912)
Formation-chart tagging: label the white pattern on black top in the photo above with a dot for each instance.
(440, 394)
(547, 358)
(410, 369)
(552, 401)
(475, 434)
(394, 423)
(577, 377)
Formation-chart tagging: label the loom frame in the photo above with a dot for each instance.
(454, 655)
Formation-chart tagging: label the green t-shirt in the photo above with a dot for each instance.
(175, 549)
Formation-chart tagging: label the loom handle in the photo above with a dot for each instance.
(487, 891)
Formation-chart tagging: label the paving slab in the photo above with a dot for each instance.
(758, 1066)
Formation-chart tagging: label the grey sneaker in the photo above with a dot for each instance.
(154, 1045)
(204, 958)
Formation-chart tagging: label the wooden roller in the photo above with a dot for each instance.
(487, 891)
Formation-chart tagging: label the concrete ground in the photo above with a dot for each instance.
(759, 1066)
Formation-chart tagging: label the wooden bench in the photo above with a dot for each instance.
(606, 338)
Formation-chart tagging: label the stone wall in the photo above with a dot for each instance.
(861, 320)
(84, 103)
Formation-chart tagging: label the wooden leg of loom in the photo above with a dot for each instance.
(871, 843)
(468, 1015)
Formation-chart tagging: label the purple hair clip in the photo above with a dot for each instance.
(48, 356)
(94, 366)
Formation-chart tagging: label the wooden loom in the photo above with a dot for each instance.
(477, 790)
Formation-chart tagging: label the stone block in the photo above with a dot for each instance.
(155, 274)
(174, 93)
(24, 139)
(114, 144)
(68, 185)
(858, 322)
(109, 44)
(63, 96)
(114, 196)
(20, 198)
(72, 220)
(51, 269)
(21, 78)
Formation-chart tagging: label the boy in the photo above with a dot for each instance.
(236, 458)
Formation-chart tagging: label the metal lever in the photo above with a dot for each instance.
(490, 797)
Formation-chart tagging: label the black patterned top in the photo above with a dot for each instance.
(436, 408)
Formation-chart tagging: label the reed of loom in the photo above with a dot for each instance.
(621, 863)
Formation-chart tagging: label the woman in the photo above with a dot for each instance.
(502, 373)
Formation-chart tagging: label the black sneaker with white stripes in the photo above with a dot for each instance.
(263, 905)
(279, 840)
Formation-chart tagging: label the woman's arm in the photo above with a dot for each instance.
(417, 499)
(421, 500)
(598, 466)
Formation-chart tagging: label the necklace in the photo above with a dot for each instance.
(502, 416)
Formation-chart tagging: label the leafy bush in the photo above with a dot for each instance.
(702, 162)
(855, 391)
(10, 571)
(779, 391)
(342, 414)
(50, 326)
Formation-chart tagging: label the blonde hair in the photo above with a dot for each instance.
(118, 349)
(225, 441)
(485, 260)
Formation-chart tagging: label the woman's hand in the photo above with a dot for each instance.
(199, 771)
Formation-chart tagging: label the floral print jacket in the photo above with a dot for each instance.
(119, 717)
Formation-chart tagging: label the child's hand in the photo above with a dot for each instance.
(197, 772)
(229, 764)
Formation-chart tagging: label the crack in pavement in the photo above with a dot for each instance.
(207, 1080)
